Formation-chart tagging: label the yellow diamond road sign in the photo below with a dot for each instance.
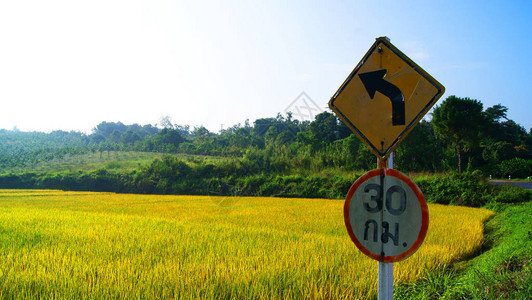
(384, 97)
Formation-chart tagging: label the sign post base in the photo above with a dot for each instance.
(385, 281)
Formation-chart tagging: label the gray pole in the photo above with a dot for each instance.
(386, 269)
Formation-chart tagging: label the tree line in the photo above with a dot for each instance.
(461, 136)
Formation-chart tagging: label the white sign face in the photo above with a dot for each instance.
(386, 215)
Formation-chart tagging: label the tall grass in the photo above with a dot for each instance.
(73, 245)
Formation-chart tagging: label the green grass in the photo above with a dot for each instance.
(93, 161)
(110, 160)
(502, 270)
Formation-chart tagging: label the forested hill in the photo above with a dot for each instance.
(461, 135)
(25, 149)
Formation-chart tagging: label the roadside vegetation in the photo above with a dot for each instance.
(501, 270)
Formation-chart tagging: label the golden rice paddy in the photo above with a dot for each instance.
(80, 245)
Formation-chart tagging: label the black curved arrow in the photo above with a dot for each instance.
(374, 82)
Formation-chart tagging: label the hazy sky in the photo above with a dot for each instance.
(70, 65)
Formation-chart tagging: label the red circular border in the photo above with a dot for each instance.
(424, 214)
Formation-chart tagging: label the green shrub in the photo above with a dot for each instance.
(467, 189)
(271, 188)
(511, 194)
(112, 165)
(516, 167)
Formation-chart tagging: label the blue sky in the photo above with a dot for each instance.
(70, 65)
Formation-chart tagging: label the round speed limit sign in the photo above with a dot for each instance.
(386, 215)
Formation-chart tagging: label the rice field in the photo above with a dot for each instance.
(80, 245)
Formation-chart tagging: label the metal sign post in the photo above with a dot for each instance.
(387, 218)
(385, 269)
(385, 281)
(381, 101)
